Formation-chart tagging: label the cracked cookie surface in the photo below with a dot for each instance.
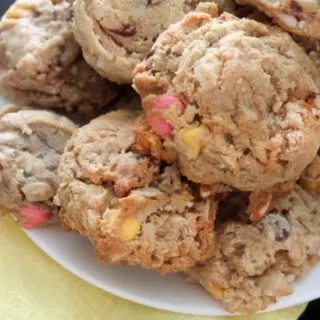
(132, 208)
(235, 99)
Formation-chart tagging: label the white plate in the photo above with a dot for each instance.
(171, 292)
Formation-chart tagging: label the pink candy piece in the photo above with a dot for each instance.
(159, 125)
(155, 121)
(164, 102)
(32, 217)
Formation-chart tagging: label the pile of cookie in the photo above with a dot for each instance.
(212, 170)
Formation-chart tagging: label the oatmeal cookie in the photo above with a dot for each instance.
(257, 262)
(116, 35)
(41, 63)
(235, 99)
(131, 207)
(301, 17)
(31, 143)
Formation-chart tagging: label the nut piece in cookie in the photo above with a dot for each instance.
(31, 143)
(41, 63)
(131, 207)
(257, 262)
(236, 100)
(299, 17)
(116, 35)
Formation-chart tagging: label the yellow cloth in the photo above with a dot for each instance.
(34, 287)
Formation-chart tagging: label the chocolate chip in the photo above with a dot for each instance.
(295, 7)
(126, 31)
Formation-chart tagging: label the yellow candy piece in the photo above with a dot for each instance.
(19, 11)
(216, 291)
(192, 141)
(310, 185)
(12, 14)
(129, 229)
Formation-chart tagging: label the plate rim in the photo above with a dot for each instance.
(67, 265)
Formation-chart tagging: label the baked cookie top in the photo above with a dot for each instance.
(237, 100)
(132, 208)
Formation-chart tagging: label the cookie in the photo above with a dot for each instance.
(257, 262)
(235, 99)
(116, 35)
(132, 208)
(299, 17)
(31, 143)
(41, 63)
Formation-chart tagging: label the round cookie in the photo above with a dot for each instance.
(235, 99)
(116, 35)
(132, 208)
(41, 63)
(301, 17)
(256, 263)
(31, 143)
